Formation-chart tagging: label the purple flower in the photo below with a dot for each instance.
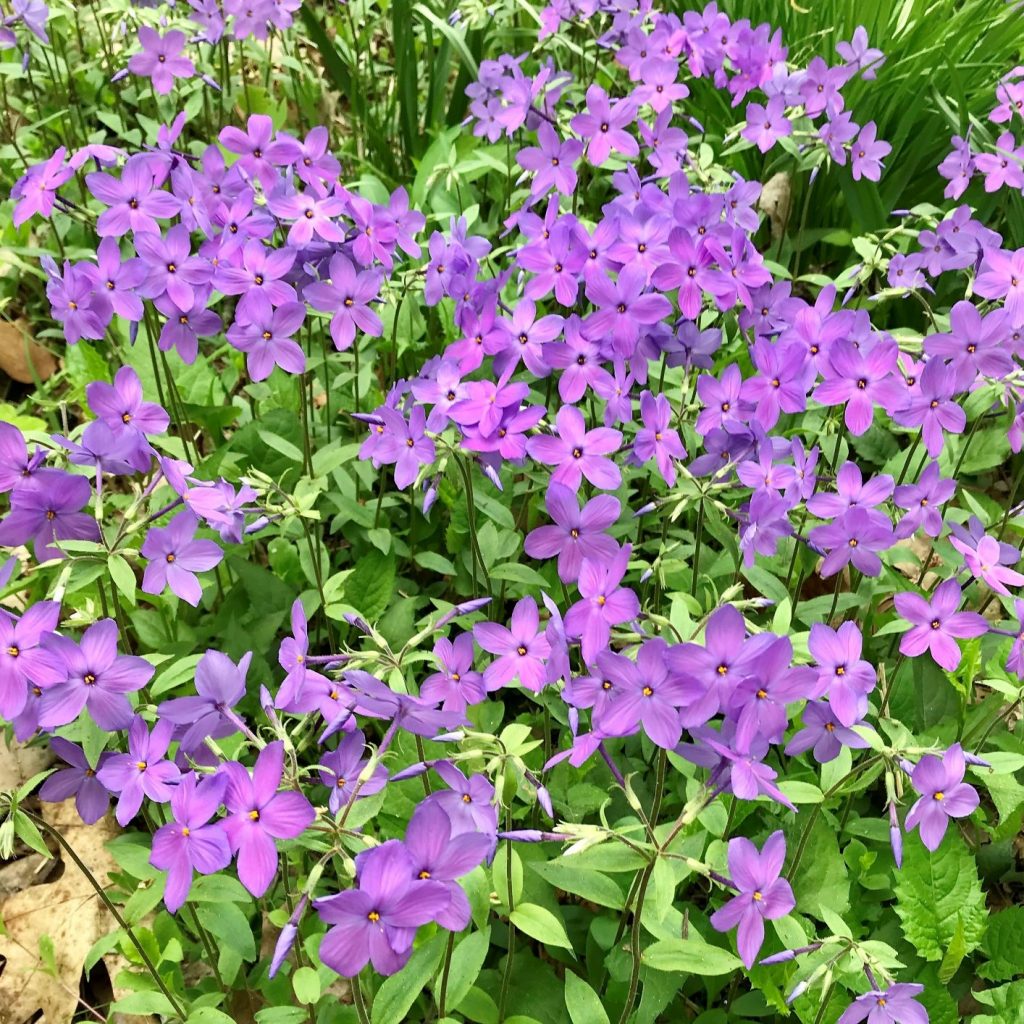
(624, 307)
(441, 857)
(134, 203)
(767, 124)
(189, 842)
(552, 162)
(79, 780)
(867, 154)
(859, 380)
(974, 344)
(767, 521)
(644, 693)
(937, 624)
(576, 534)
(604, 126)
(313, 216)
(260, 274)
(848, 678)
(944, 795)
(922, 501)
(893, 1005)
(221, 506)
(457, 685)
(823, 734)
(143, 772)
(1002, 277)
(172, 269)
(17, 467)
(264, 334)
(161, 59)
(856, 536)
(120, 279)
(176, 556)
(48, 512)
(252, 146)
(404, 444)
(577, 452)
(1004, 167)
(657, 439)
(347, 295)
(468, 802)
(852, 492)
(258, 815)
(341, 770)
(24, 662)
(36, 191)
(763, 895)
(983, 560)
(603, 603)
(121, 405)
(932, 408)
(859, 56)
(182, 330)
(521, 649)
(377, 921)
(82, 311)
(220, 685)
(97, 679)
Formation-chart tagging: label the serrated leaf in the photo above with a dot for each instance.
(937, 893)
(691, 956)
(371, 584)
(540, 924)
(1004, 945)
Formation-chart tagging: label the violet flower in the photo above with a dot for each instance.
(176, 556)
(944, 795)
(603, 603)
(79, 780)
(922, 501)
(937, 624)
(377, 921)
(347, 294)
(144, 772)
(98, 679)
(604, 126)
(189, 842)
(521, 650)
(161, 59)
(577, 533)
(264, 334)
(824, 734)
(894, 1005)
(258, 815)
(763, 895)
(49, 512)
(983, 560)
(577, 452)
(456, 686)
(341, 770)
(24, 661)
(657, 438)
(848, 678)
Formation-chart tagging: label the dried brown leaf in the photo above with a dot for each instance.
(22, 358)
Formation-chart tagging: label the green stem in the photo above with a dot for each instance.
(443, 991)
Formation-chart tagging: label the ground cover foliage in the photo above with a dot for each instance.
(512, 514)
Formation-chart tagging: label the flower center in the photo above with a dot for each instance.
(521, 651)
(424, 874)
(935, 623)
(186, 831)
(373, 916)
(89, 679)
(466, 798)
(939, 795)
(254, 815)
(758, 896)
(170, 557)
(141, 765)
(13, 651)
(647, 691)
(577, 453)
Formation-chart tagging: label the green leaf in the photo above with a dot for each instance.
(26, 831)
(1004, 945)
(209, 1015)
(467, 961)
(516, 572)
(435, 562)
(279, 444)
(306, 985)
(540, 924)
(1007, 1000)
(123, 576)
(582, 1002)
(395, 997)
(217, 888)
(591, 885)
(371, 584)
(937, 893)
(141, 1003)
(822, 879)
(692, 956)
(955, 953)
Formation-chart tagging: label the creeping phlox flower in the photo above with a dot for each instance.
(944, 795)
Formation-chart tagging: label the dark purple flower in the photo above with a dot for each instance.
(182, 330)
(176, 556)
(258, 815)
(624, 307)
(188, 842)
(78, 780)
(852, 492)
(944, 795)
(937, 624)
(143, 772)
(763, 895)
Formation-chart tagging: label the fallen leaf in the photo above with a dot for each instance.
(65, 912)
(21, 354)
